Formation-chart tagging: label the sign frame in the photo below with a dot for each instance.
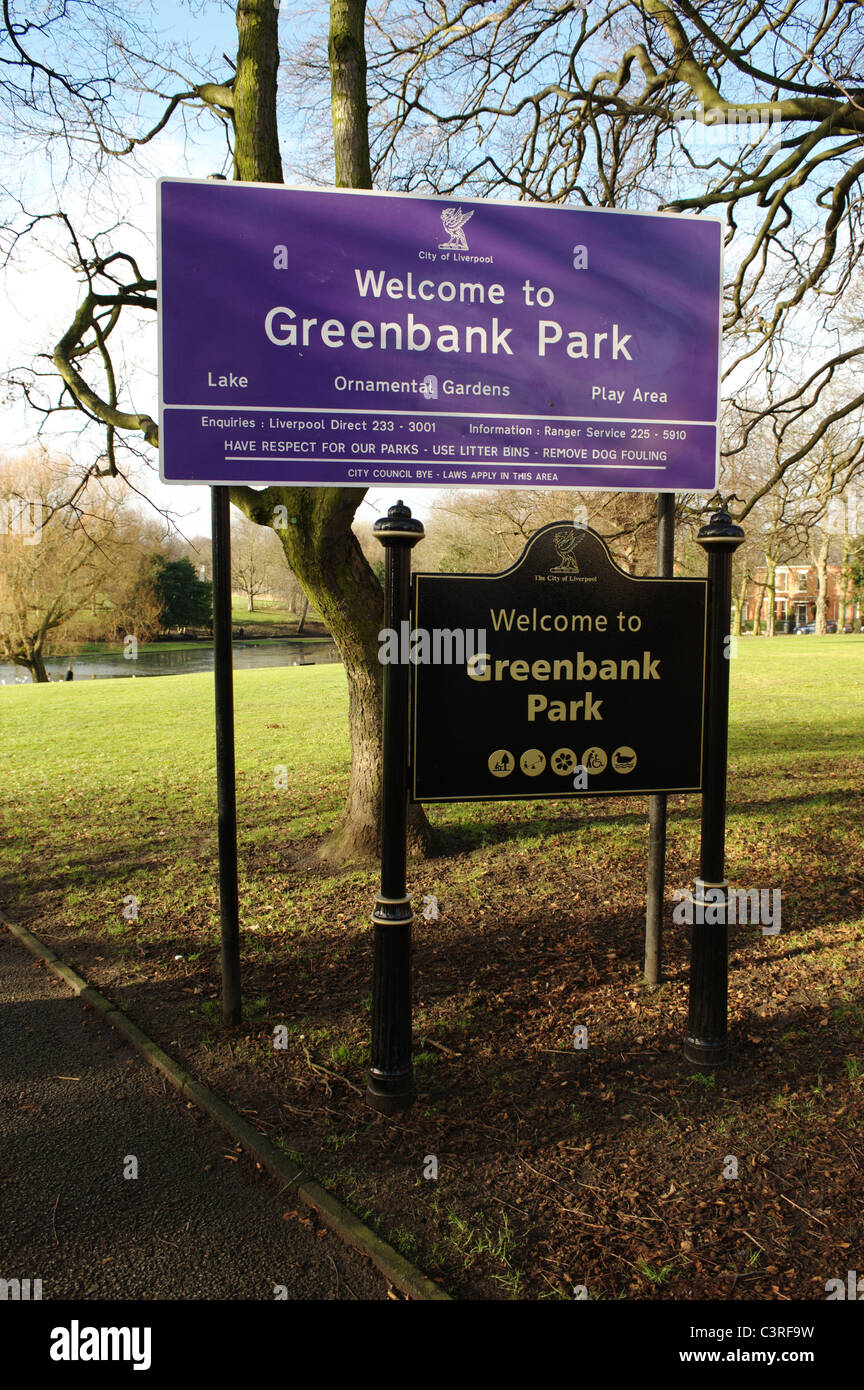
(390, 1076)
(180, 436)
(698, 584)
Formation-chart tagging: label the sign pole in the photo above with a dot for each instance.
(225, 782)
(390, 1079)
(657, 803)
(706, 1041)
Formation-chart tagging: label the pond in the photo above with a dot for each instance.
(162, 660)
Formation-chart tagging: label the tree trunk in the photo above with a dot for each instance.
(34, 662)
(347, 54)
(757, 617)
(250, 603)
(738, 609)
(821, 563)
(845, 580)
(771, 588)
(302, 622)
(326, 558)
(320, 546)
(256, 135)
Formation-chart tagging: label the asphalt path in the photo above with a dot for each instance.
(77, 1103)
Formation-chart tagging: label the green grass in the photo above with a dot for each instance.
(108, 789)
(112, 648)
(656, 1274)
(112, 778)
(471, 1240)
(797, 694)
(268, 612)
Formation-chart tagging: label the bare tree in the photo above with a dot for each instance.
(487, 530)
(836, 464)
(750, 109)
(319, 544)
(599, 104)
(53, 559)
(254, 566)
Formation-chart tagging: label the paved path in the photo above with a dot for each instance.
(193, 1225)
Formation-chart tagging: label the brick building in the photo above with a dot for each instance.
(796, 587)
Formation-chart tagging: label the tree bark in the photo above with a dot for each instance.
(34, 662)
(318, 542)
(845, 579)
(347, 54)
(256, 136)
(771, 588)
(821, 562)
(757, 617)
(738, 610)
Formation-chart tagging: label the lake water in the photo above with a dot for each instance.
(162, 661)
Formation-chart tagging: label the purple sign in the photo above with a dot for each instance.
(341, 338)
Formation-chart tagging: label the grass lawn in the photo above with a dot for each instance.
(557, 1167)
(111, 648)
(270, 619)
(270, 613)
(265, 612)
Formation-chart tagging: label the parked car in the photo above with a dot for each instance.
(809, 628)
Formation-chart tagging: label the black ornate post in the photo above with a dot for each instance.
(706, 1042)
(225, 781)
(390, 1079)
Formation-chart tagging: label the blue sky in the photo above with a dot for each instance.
(40, 292)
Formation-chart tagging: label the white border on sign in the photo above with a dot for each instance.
(424, 483)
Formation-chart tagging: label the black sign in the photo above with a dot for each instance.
(563, 676)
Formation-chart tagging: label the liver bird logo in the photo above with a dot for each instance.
(566, 542)
(454, 220)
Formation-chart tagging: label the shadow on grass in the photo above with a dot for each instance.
(582, 954)
(487, 828)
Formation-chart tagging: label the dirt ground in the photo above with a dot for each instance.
(609, 1168)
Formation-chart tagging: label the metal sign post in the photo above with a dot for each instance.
(706, 1042)
(571, 678)
(390, 1081)
(225, 785)
(657, 803)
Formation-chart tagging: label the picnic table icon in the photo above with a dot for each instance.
(501, 763)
